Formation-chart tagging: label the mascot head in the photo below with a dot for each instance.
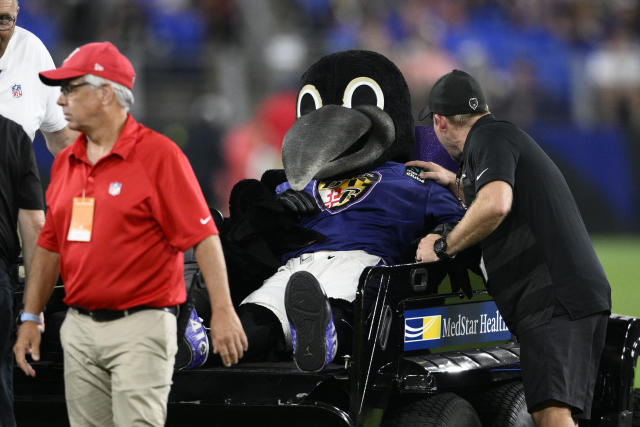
(353, 114)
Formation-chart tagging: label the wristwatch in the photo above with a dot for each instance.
(440, 248)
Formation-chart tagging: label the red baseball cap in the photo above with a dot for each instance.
(100, 59)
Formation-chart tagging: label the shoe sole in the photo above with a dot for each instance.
(309, 313)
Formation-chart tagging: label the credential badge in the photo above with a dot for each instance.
(473, 103)
(114, 188)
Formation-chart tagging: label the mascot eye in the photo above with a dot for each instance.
(363, 90)
(309, 100)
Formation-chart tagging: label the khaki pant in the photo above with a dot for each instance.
(118, 373)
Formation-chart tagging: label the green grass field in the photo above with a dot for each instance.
(620, 257)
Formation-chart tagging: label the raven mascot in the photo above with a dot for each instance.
(297, 241)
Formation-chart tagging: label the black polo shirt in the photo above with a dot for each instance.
(540, 259)
(20, 186)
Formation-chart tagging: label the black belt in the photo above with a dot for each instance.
(103, 315)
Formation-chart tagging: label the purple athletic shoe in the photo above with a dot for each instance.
(196, 341)
(315, 341)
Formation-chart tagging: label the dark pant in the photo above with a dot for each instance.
(560, 362)
(264, 333)
(266, 339)
(6, 355)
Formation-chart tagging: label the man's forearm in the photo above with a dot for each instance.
(210, 259)
(485, 214)
(227, 336)
(42, 278)
(57, 141)
(30, 223)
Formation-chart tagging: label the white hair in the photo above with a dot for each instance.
(123, 94)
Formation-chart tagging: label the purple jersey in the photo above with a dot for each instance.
(380, 212)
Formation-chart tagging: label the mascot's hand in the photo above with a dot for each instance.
(299, 202)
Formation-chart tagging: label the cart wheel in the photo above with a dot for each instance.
(503, 406)
(635, 422)
(440, 410)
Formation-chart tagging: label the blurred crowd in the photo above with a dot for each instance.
(219, 76)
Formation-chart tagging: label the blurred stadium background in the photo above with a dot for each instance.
(219, 77)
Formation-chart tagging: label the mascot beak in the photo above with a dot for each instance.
(334, 139)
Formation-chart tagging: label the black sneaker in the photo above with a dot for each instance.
(315, 341)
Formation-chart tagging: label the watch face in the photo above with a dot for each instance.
(439, 247)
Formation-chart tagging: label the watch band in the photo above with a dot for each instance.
(29, 317)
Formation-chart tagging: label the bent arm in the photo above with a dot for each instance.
(486, 213)
(57, 141)
(30, 223)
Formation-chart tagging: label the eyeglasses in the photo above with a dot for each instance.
(6, 22)
(67, 88)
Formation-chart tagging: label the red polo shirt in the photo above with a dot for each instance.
(148, 209)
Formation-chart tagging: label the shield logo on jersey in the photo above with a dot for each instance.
(114, 188)
(16, 90)
(338, 195)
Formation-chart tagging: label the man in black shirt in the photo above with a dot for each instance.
(21, 203)
(537, 258)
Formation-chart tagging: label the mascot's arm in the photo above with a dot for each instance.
(297, 202)
(259, 230)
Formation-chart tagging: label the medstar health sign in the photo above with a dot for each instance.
(453, 325)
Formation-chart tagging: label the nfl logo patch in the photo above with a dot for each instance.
(16, 90)
(114, 188)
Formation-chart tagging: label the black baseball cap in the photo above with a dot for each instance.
(454, 93)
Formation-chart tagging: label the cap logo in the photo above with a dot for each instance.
(71, 54)
(473, 103)
(98, 67)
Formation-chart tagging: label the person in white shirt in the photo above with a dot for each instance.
(23, 97)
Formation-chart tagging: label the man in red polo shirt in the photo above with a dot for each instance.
(123, 205)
